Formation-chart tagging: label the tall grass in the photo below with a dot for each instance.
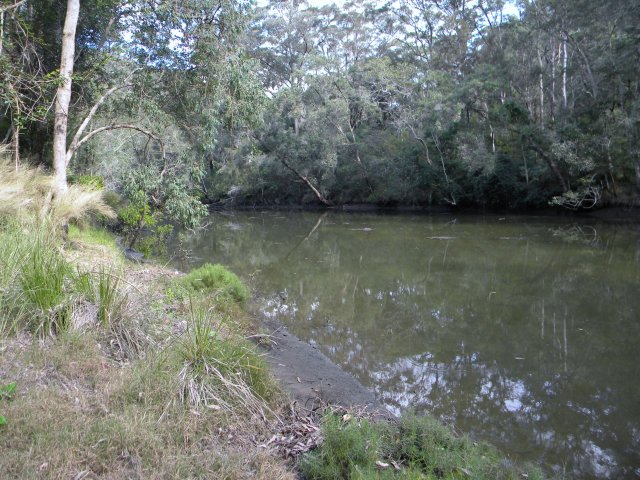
(35, 279)
(221, 371)
(111, 298)
(16, 249)
(113, 312)
(26, 193)
(42, 281)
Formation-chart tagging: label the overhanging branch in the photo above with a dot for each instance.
(76, 142)
(120, 126)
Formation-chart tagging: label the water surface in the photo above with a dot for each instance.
(523, 331)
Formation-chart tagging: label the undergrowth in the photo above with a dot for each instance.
(412, 447)
(96, 419)
(105, 381)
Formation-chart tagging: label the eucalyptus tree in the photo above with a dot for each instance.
(63, 96)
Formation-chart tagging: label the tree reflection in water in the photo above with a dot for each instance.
(522, 331)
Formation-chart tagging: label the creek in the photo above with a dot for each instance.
(523, 331)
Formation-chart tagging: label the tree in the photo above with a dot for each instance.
(63, 97)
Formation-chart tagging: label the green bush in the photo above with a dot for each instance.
(143, 227)
(216, 279)
(413, 447)
(349, 448)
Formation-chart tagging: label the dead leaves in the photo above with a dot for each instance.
(297, 434)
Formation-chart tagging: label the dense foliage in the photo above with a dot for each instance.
(415, 102)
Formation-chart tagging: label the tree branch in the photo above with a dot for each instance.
(11, 7)
(552, 164)
(76, 142)
(119, 126)
(306, 181)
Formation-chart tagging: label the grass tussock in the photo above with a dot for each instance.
(412, 447)
(26, 193)
(32, 282)
(22, 189)
(217, 280)
(221, 370)
(42, 293)
(42, 283)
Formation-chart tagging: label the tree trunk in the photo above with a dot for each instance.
(15, 128)
(541, 86)
(564, 73)
(553, 84)
(306, 181)
(63, 97)
(552, 165)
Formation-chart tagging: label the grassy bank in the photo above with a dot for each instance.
(110, 378)
(110, 369)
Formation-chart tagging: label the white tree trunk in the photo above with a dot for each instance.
(63, 96)
(541, 85)
(564, 73)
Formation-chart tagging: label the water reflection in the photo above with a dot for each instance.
(520, 331)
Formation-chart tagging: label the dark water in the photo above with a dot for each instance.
(522, 331)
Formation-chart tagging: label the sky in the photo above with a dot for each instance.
(510, 7)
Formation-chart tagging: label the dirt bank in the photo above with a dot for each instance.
(308, 375)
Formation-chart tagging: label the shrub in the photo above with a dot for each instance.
(216, 279)
(348, 448)
(413, 447)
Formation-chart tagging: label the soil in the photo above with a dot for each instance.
(309, 376)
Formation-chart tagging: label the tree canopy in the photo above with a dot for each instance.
(416, 102)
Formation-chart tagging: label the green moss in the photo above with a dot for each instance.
(216, 279)
(413, 447)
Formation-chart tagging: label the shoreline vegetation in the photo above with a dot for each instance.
(615, 214)
(113, 369)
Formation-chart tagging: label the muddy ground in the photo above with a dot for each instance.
(308, 375)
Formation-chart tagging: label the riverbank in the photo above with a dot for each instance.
(122, 395)
(309, 376)
(153, 377)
